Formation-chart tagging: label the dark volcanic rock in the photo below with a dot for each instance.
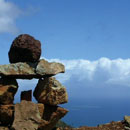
(26, 116)
(23, 70)
(25, 49)
(26, 95)
(6, 114)
(50, 91)
(8, 88)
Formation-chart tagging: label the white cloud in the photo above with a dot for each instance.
(102, 76)
(8, 14)
(102, 72)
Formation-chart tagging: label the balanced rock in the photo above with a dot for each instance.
(51, 115)
(8, 88)
(23, 70)
(6, 114)
(25, 49)
(50, 91)
(26, 116)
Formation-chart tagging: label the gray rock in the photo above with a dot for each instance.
(50, 91)
(46, 68)
(26, 116)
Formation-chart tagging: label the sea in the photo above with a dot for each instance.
(85, 112)
(88, 105)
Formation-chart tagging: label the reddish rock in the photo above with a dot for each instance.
(25, 49)
(8, 88)
(51, 115)
(6, 114)
(30, 116)
(26, 95)
(50, 91)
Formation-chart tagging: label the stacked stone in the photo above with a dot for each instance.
(24, 55)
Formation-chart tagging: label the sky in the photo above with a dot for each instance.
(90, 37)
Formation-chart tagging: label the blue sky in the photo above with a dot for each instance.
(90, 37)
(73, 29)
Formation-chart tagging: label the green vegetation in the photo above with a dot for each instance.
(62, 124)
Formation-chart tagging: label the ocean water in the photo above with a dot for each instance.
(84, 112)
(90, 105)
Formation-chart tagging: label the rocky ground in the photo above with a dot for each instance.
(120, 125)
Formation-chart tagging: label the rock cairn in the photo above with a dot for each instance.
(24, 55)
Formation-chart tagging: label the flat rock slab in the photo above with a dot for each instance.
(26, 116)
(50, 91)
(30, 70)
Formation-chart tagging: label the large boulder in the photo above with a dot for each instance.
(51, 115)
(8, 88)
(25, 49)
(50, 91)
(23, 70)
(6, 115)
(26, 116)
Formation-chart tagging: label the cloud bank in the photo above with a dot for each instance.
(99, 78)
(102, 72)
(9, 12)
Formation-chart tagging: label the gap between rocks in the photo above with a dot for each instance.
(25, 85)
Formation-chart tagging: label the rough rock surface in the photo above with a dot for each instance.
(26, 95)
(8, 88)
(127, 121)
(50, 91)
(25, 49)
(6, 114)
(46, 68)
(51, 115)
(26, 116)
(31, 70)
(4, 128)
(109, 126)
(41, 109)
